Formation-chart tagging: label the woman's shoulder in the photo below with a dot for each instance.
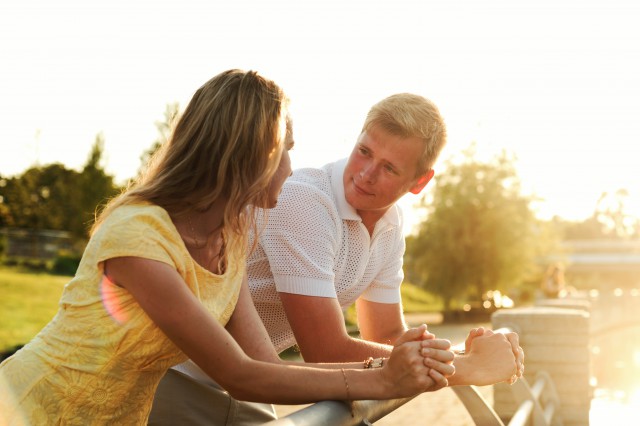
(142, 230)
(131, 211)
(138, 222)
(138, 215)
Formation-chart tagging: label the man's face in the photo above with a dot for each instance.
(381, 169)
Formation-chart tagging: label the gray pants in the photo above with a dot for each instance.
(181, 400)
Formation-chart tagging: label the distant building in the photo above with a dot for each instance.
(602, 263)
(35, 244)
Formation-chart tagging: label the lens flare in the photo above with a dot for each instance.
(113, 300)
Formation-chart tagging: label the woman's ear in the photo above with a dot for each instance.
(422, 182)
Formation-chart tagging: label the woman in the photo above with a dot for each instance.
(162, 280)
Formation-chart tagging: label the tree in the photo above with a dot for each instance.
(54, 197)
(165, 128)
(5, 213)
(610, 220)
(479, 235)
(94, 187)
(611, 213)
(37, 199)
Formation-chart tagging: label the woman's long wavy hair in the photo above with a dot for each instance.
(226, 145)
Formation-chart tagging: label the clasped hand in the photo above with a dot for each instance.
(496, 356)
(419, 363)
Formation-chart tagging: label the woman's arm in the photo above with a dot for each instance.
(249, 332)
(164, 296)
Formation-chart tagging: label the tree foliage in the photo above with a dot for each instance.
(165, 127)
(610, 220)
(57, 198)
(54, 197)
(94, 187)
(479, 235)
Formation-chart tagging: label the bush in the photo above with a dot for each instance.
(34, 265)
(65, 264)
(10, 261)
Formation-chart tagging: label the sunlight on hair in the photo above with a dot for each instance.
(282, 136)
(111, 300)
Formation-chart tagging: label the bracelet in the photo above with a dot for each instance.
(346, 385)
(373, 362)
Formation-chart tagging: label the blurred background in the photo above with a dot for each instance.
(536, 185)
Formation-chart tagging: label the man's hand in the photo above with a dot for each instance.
(518, 352)
(490, 357)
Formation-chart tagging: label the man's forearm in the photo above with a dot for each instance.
(347, 349)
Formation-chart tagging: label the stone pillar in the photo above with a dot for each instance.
(566, 303)
(555, 340)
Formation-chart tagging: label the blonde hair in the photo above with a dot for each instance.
(227, 144)
(408, 115)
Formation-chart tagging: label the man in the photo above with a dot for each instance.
(336, 238)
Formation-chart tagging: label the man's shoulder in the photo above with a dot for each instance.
(312, 181)
(308, 194)
(310, 175)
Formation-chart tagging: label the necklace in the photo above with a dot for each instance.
(193, 236)
(197, 246)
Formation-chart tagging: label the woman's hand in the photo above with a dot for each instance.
(406, 373)
(437, 355)
(439, 358)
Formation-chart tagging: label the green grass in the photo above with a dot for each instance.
(415, 299)
(28, 302)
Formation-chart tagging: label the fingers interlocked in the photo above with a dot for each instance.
(438, 357)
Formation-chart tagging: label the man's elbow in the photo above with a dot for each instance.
(336, 350)
(388, 338)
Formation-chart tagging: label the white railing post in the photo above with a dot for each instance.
(555, 341)
(478, 408)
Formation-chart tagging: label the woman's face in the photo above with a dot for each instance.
(284, 168)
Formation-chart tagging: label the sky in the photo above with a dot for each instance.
(554, 82)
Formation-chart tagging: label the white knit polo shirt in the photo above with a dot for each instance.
(315, 244)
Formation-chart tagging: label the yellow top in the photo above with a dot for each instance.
(101, 357)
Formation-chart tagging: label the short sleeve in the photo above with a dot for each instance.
(301, 240)
(139, 231)
(385, 287)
